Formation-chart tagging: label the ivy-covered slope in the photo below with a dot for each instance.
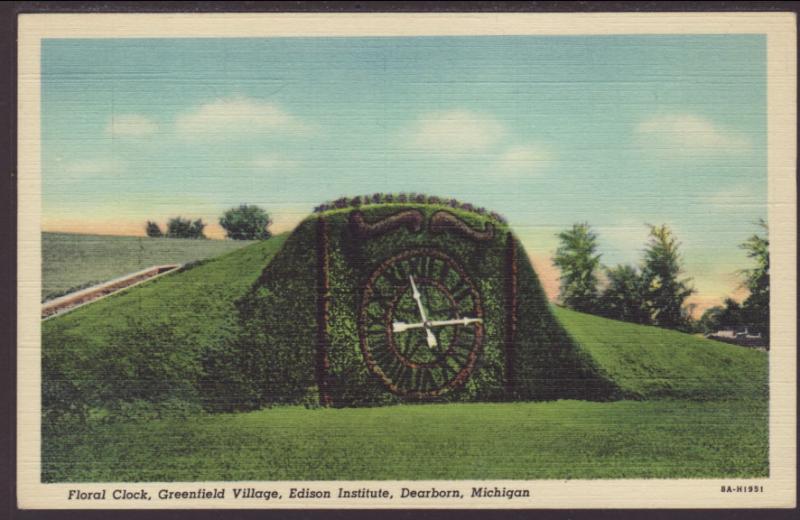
(274, 359)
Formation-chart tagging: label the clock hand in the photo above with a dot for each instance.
(399, 326)
(418, 297)
(459, 321)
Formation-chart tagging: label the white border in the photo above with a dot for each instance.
(779, 488)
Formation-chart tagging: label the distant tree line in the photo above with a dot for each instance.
(753, 312)
(655, 292)
(245, 222)
(177, 227)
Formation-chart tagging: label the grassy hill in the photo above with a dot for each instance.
(147, 344)
(650, 362)
(71, 261)
(134, 361)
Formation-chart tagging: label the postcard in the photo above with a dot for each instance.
(442, 260)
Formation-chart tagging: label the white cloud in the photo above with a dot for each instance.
(523, 159)
(683, 134)
(93, 167)
(455, 132)
(131, 125)
(236, 116)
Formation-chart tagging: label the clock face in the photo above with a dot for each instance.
(421, 323)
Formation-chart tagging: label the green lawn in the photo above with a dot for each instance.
(72, 261)
(550, 440)
(650, 362)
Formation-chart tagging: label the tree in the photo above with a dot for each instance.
(178, 227)
(577, 259)
(730, 314)
(623, 297)
(246, 223)
(756, 307)
(665, 292)
(153, 230)
(711, 321)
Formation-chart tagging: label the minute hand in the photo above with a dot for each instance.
(459, 321)
(399, 326)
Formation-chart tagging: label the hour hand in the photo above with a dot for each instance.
(430, 338)
(418, 297)
(399, 326)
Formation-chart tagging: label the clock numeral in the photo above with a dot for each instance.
(466, 337)
(394, 277)
(380, 293)
(398, 373)
(426, 266)
(382, 356)
(447, 371)
(391, 280)
(459, 357)
(445, 271)
(375, 311)
(460, 291)
(405, 377)
(425, 380)
(414, 265)
(409, 352)
(408, 341)
(395, 370)
(376, 329)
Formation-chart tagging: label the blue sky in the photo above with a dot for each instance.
(618, 131)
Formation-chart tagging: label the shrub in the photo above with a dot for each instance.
(246, 222)
(414, 198)
(153, 230)
(179, 227)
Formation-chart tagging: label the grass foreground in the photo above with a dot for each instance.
(71, 261)
(548, 440)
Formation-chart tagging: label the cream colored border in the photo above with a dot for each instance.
(779, 488)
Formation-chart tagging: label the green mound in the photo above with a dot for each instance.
(649, 362)
(242, 331)
(143, 349)
(306, 329)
